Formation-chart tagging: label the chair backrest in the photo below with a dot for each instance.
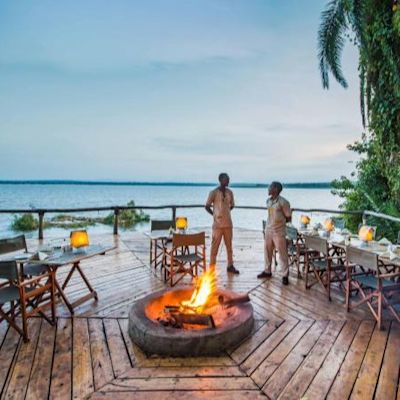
(339, 223)
(291, 233)
(362, 258)
(161, 224)
(316, 243)
(9, 245)
(8, 270)
(194, 239)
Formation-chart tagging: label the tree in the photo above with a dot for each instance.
(373, 26)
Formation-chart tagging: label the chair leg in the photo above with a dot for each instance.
(379, 311)
(24, 318)
(53, 298)
(348, 294)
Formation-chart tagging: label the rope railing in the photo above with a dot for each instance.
(174, 207)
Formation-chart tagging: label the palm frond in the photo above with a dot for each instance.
(331, 40)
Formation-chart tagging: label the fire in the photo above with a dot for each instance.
(205, 286)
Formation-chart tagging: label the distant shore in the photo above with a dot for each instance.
(295, 185)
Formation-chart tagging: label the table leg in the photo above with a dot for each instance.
(61, 293)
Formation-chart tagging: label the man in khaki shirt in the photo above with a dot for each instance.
(219, 204)
(279, 213)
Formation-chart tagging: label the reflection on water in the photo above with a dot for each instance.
(74, 196)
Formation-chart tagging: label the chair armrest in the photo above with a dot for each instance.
(389, 275)
(35, 279)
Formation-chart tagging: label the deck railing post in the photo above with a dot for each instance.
(173, 213)
(41, 223)
(116, 214)
(364, 218)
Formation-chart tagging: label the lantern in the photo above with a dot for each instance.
(181, 223)
(304, 221)
(366, 234)
(329, 225)
(79, 239)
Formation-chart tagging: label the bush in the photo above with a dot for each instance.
(127, 218)
(24, 223)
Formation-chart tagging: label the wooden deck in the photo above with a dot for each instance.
(302, 346)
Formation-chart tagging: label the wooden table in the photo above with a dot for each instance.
(73, 258)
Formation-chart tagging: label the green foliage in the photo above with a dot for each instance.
(128, 218)
(374, 24)
(24, 223)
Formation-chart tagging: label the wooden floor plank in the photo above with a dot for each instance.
(180, 372)
(22, 370)
(82, 374)
(246, 348)
(267, 347)
(273, 361)
(345, 378)
(8, 351)
(61, 378)
(309, 368)
(116, 345)
(364, 387)
(39, 383)
(192, 383)
(323, 380)
(137, 357)
(286, 370)
(101, 360)
(182, 395)
(389, 374)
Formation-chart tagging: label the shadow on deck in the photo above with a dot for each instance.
(302, 345)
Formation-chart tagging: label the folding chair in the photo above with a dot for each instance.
(187, 255)
(368, 276)
(25, 297)
(18, 243)
(325, 268)
(157, 245)
(296, 248)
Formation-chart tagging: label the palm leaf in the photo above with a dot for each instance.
(331, 40)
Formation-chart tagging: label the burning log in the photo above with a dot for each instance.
(233, 301)
(195, 319)
(176, 319)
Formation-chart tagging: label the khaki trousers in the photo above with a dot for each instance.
(217, 235)
(276, 241)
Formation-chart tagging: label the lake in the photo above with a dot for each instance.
(75, 196)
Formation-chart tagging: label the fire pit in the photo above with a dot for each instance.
(203, 320)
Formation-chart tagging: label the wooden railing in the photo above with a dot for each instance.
(117, 209)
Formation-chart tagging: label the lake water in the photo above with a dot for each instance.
(75, 196)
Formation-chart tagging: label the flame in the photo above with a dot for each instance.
(205, 286)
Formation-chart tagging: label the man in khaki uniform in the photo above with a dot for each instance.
(279, 214)
(219, 204)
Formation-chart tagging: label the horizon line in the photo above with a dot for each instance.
(155, 183)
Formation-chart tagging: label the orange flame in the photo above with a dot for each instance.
(205, 286)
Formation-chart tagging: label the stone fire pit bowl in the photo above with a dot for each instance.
(154, 338)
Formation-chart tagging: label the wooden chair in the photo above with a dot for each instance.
(368, 276)
(325, 268)
(187, 255)
(296, 249)
(157, 245)
(18, 243)
(26, 297)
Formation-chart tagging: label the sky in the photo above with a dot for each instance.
(171, 90)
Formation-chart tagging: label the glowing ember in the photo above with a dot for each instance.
(205, 287)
